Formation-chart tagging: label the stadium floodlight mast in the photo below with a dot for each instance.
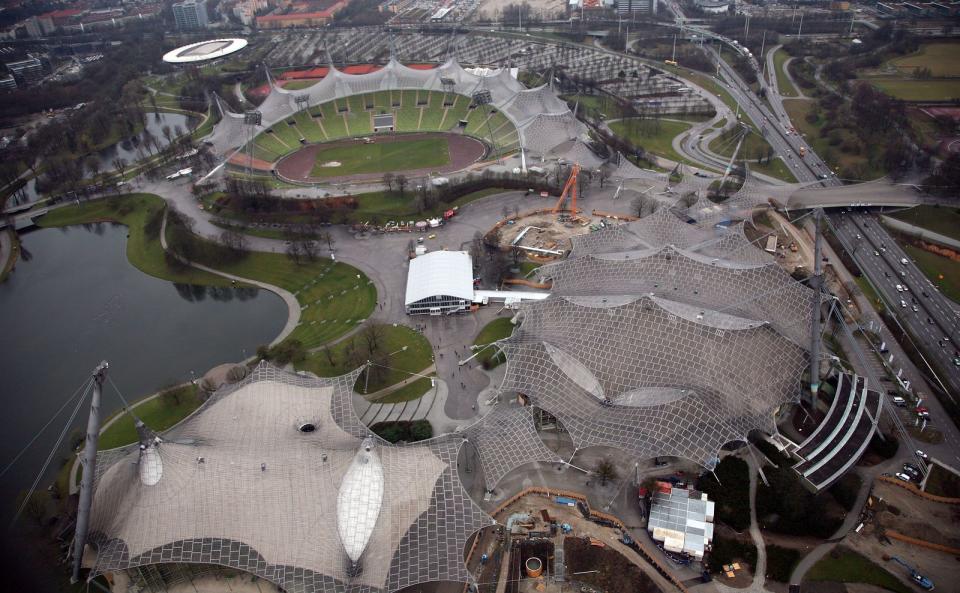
(481, 98)
(251, 120)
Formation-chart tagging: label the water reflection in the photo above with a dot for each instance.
(223, 294)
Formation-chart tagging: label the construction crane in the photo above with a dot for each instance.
(571, 188)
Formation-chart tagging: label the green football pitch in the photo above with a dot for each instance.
(381, 157)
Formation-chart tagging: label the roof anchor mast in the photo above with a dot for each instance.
(89, 470)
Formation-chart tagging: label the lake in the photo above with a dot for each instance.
(74, 300)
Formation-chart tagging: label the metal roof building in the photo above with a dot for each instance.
(277, 477)
(682, 520)
(657, 350)
(439, 283)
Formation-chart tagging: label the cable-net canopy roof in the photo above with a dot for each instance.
(762, 292)
(507, 438)
(659, 229)
(548, 118)
(276, 476)
(649, 375)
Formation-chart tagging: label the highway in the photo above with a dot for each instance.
(935, 323)
(934, 307)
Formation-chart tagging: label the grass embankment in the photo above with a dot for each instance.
(160, 413)
(390, 339)
(916, 89)
(142, 214)
(654, 135)
(942, 81)
(939, 219)
(934, 266)
(870, 293)
(499, 328)
(409, 392)
(940, 57)
(300, 84)
(598, 106)
(754, 148)
(832, 154)
(381, 157)
(334, 297)
(851, 567)
(9, 259)
(784, 85)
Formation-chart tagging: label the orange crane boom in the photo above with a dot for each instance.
(571, 188)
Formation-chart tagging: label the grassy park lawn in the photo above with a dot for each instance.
(159, 414)
(382, 157)
(933, 266)
(391, 205)
(939, 57)
(942, 220)
(851, 567)
(334, 297)
(143, 250)
(654, 136)
(497, 329)
(595, 105)
(784, 85)
(775, 168)
(417, 357)
(409, 392)
(913, 89)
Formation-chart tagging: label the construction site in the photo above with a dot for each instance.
(551, 541)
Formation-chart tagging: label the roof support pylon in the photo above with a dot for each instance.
(89, 470)
(816, 283)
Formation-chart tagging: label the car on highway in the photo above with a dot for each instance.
(903, 304)
(876, 253)
(902, 476)
(899, 288)
(899, 401)
(922, 455)
(903, 261)
(915, 309)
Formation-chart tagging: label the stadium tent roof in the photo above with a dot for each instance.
(542, 120)
(447, 273)
(244, 483)
(650, 376)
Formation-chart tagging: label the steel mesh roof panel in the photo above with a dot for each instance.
(507, 438)
(242, 487)
(721, 383)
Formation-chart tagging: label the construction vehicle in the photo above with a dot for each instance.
(915, 577)
(569, 188)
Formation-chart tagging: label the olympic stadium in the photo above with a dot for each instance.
(437, 120)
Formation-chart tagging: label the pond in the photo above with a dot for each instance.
(73, 300)
(128, 149)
